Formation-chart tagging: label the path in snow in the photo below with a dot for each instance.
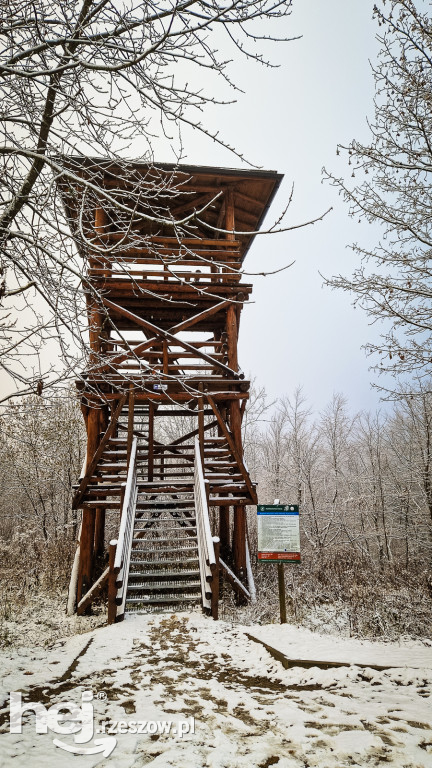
(249, 711)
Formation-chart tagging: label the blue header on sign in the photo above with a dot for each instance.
(272, 514)
(277, 509)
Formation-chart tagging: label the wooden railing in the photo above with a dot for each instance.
(208, 545)
(120, 549)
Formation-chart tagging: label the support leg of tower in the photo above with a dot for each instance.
(239, 541)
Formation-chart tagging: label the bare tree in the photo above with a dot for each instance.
(96, 79)
(392, 188)
(42, 451)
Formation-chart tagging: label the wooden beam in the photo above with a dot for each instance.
(233, 580)
(181, 397)
(93, 592)
(78, 496)
(194, 432)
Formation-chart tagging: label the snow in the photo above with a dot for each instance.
(249, 710)
(297, 643)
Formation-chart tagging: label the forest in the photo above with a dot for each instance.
(363, 483)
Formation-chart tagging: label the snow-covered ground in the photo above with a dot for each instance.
(249, 711)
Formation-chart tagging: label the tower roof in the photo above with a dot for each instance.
(174, 192)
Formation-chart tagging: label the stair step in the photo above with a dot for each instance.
(163, 585)
(160, 573)
(160, 506)
(160, 540)
(166, 528)
(164, 599)
(165, 562)
(160, 550)
(157, 609)
(155, 518)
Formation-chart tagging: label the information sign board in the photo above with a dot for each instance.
(278, 533)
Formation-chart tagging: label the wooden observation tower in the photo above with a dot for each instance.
(164, 248)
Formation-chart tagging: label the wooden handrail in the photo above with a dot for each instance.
(120, 566)
(249, 573)
(208, 557)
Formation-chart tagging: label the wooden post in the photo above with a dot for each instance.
(88, 516)
(122, 495)
(112, 589)
(101, 221)
(229, 213)
(215, 581)
(99, 536)
(282, 601)
(165, 356)
(201, 423)
(239, 540)
(150, 460)
(239, 532)
(162, 466)
(224, 531)
(232, 337)
(131, 409)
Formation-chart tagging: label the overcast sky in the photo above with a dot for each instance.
(290, 120)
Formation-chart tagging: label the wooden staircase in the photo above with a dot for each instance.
(165, 557)
(164, 567)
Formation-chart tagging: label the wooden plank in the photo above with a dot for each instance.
(210, 277)
(178, 397)
(173, 241)
(233, 449)
(78, 496)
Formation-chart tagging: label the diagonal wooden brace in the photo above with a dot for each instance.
(233, 450)
(183, 326)
(159, 332)
(79, 494)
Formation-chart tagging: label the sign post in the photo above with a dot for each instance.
(279, 541)
(282, 601)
